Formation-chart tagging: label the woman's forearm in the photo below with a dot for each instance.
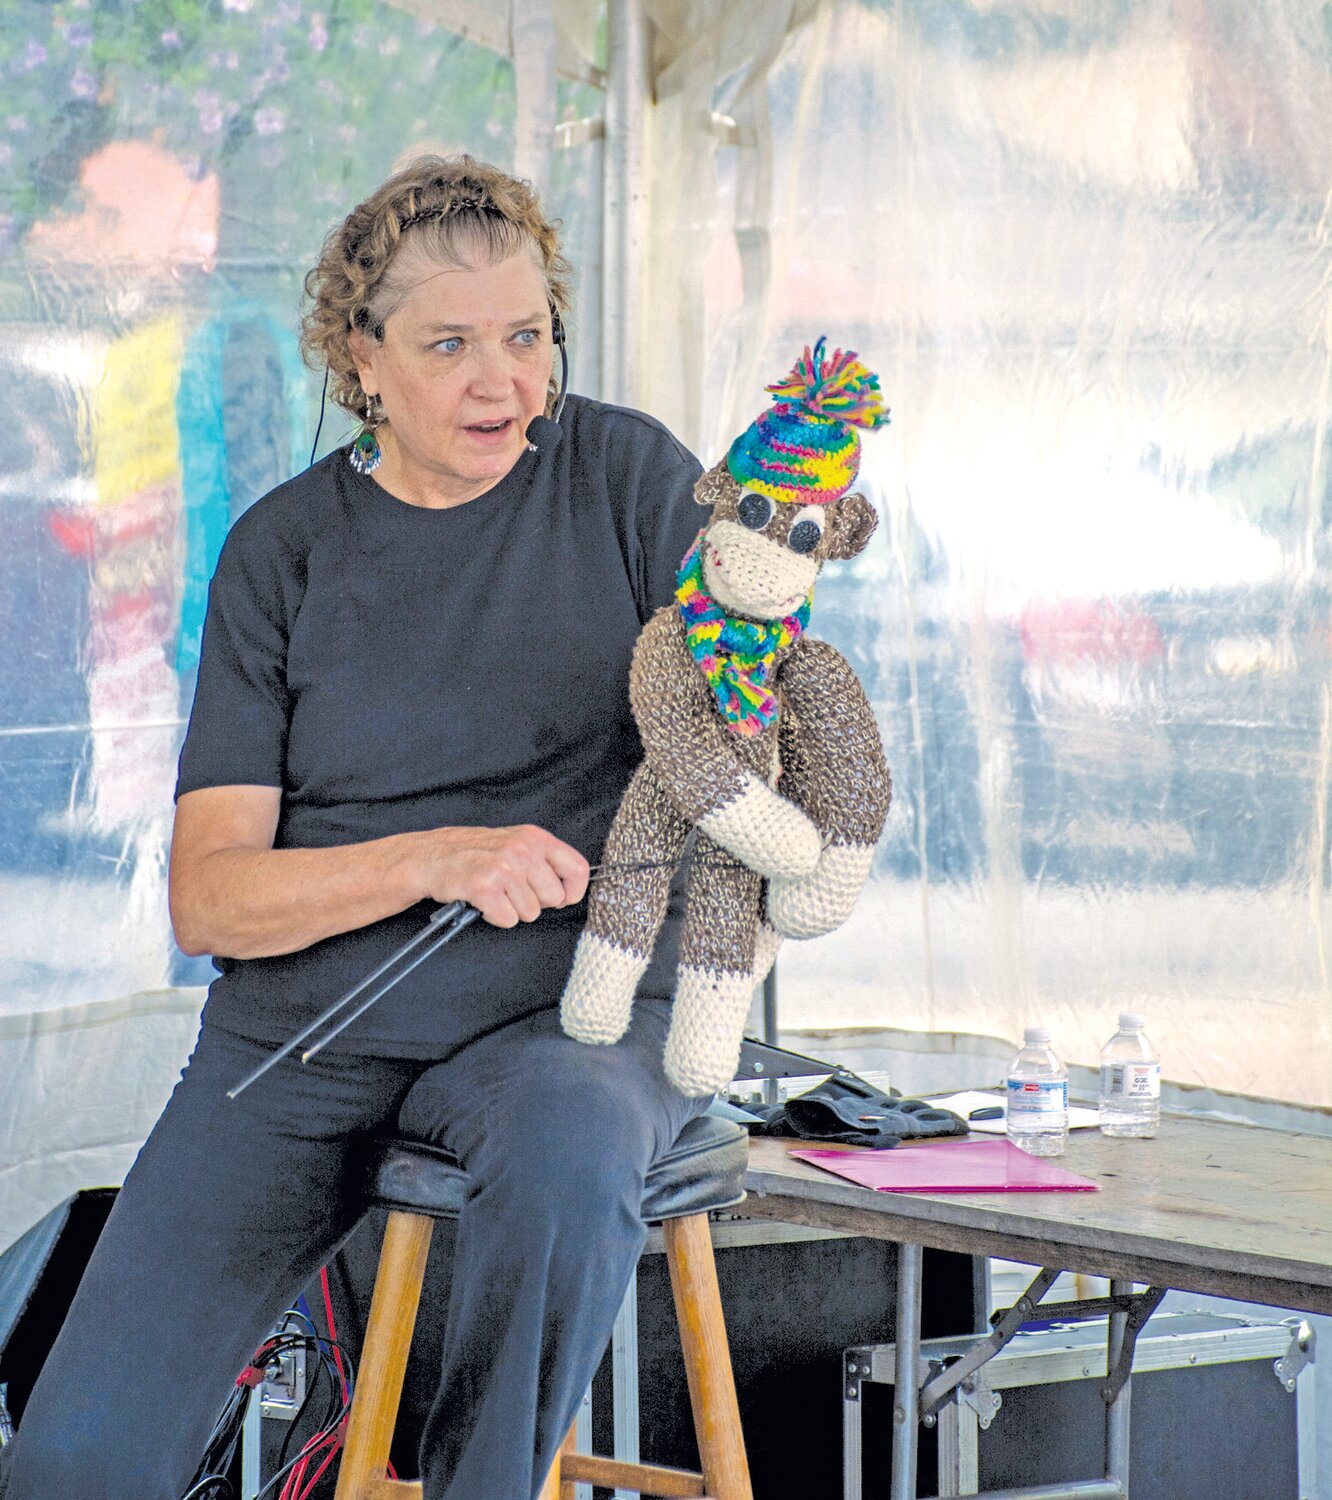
(255, 903)
(233, 897)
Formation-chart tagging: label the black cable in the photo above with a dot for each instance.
(295, 1312)
(223, 1442)
(564, 383)
(205, 1482)
(320, 1364)
(325, 1431)
(323, 399)
(323, 1364)
(351, 1311)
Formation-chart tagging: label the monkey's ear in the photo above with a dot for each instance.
(852, 524)
(714, 486)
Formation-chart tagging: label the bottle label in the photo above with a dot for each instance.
(1131, 1080)
(1031, 1099)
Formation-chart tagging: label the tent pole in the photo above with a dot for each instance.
(624, 198)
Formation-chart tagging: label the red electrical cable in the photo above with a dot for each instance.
(336, 1437)
(332, 1331)
(315, 1477)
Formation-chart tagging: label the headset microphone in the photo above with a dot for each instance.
(545, 431)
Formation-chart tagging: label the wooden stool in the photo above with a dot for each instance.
(418, 1184)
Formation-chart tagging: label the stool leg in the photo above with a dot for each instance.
(388, 1339)
(556, 1487)
(707, 1355)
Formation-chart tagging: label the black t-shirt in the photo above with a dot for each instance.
(395, 668)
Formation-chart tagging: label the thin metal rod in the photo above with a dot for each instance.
(771, 1093)
(1082, 1489)
(446, 935)
(905, 1390)
(444, 914)
(937, 1390)
(599, 872)
(456, 912)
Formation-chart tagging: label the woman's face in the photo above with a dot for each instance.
(461, 370)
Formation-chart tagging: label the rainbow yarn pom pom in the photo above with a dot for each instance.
(806, 449)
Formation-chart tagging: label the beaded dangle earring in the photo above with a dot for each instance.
(366, 455)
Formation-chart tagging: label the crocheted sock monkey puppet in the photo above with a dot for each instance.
(755, 735)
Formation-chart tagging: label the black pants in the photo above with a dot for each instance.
(233, 1205)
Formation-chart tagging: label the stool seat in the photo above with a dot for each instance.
(702, 1170)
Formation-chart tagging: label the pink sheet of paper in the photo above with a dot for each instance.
(956, 1167)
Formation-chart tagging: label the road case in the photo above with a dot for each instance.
(1220, 1410)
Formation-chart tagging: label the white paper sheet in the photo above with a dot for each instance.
(1079, 1116)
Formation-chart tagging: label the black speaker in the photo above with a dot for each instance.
(39, 1275)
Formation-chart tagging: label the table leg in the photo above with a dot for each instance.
(906, 1390)
(1117, 1411)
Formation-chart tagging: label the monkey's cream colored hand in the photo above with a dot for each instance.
(811, 905)
(765, 831)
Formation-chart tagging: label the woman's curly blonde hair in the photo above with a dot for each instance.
(451, 210)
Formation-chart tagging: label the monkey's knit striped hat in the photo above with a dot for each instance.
(806, 450)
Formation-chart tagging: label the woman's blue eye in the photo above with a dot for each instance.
(449, 346)
(528, 337)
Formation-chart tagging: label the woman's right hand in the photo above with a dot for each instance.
(232, 893)
(510, 875)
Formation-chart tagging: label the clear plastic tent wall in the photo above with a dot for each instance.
(167, 173)
(1084, 244)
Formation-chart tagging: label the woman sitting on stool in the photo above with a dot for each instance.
(412, 691)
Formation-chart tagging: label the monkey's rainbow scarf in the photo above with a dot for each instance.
(734, 654)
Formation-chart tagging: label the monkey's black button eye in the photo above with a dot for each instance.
(755, 511)
(804, 536)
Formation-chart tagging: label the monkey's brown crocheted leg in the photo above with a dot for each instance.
(715, 980)
(833, 767)
(624, 914)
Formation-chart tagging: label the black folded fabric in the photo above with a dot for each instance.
(845, 1108)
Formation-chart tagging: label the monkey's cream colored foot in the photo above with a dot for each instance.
(599, 995)
(764, 831)
(707, 1026)
(814, 904)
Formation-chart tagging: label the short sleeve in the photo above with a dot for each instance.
(665, 519)
(237, 734)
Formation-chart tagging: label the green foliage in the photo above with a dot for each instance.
(299, 106)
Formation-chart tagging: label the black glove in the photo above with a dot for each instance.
(847, 1109)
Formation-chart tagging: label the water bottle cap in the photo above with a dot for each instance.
(1131, 1021)
(1036, 1036)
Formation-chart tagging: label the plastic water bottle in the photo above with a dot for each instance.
(1037, 1097)
(1130, 1102)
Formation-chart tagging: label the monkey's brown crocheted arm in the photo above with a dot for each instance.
(833, 766)
(833, 763)
(710, 774)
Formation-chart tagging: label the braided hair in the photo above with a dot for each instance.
(450, 210)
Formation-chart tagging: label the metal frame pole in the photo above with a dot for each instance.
(624, 1380)
(1117, 1410)
(906, 1390)
(624, 197)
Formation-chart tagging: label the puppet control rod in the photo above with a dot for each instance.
(444, 925)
